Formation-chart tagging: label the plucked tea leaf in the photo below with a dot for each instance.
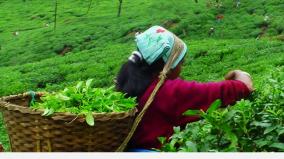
(48, 112)
(45, 112)
(63, 97)
(82, 99)
(90, 119)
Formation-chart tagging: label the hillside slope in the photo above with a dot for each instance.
(93, 44)
(77, 31)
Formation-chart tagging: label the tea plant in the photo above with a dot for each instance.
(250, 125)
(82, 99)
(90, 43)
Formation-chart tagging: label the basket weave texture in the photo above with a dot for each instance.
(62, 132)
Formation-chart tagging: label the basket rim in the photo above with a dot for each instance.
(66, 116)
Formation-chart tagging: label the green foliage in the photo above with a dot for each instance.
(250, 125)
(82, 99)
(37, 41)
(88, 46)
(214, 106)
(3, 135)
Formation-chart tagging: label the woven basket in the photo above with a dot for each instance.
(62, 132)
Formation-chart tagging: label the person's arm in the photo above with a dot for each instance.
(240, 76)
(195, 95)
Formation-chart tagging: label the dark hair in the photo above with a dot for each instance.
(136, 75)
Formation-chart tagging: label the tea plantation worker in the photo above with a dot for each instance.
(238, 3)
(219, 17)
(211, 31)
(16, 33)
(140, 74)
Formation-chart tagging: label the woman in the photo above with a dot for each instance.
(140, 74)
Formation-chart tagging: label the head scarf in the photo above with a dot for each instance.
(156, 43)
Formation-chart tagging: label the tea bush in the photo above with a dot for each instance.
(94, 45)
(255, 124)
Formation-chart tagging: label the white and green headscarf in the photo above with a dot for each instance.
(156, 43)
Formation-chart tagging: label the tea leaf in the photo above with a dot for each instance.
(262, 142)
(249, 125)
(90, 119)
(269, 129)
(82, 99)
(261, 124)
(214, 106)
(79, 85)
(280, 131)
(192, 112)
(176, 129)
(48, 112)
(45, 112)
(63, 97)
(162, 140)
(278, 145)
(191, 147)
(88, 83)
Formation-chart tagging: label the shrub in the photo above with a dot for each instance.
(249, 126)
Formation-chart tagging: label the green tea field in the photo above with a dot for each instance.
(90, 40)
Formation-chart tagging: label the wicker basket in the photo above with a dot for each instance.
(62, 132)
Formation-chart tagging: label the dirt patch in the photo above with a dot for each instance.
(279, 37)
(41, 85)
(88, 38)
(67, 21)
(264, 28)
(251, 11)
(200, 54)
(38, 16)
(131, 33)
(64, 50)
(172, 23)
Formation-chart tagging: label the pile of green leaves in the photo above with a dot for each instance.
(82, 99)
(249, 126)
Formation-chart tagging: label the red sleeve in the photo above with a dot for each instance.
(194, 95)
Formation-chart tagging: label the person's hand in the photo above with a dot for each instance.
(241, 76)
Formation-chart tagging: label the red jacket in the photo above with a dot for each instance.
(174, 98)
